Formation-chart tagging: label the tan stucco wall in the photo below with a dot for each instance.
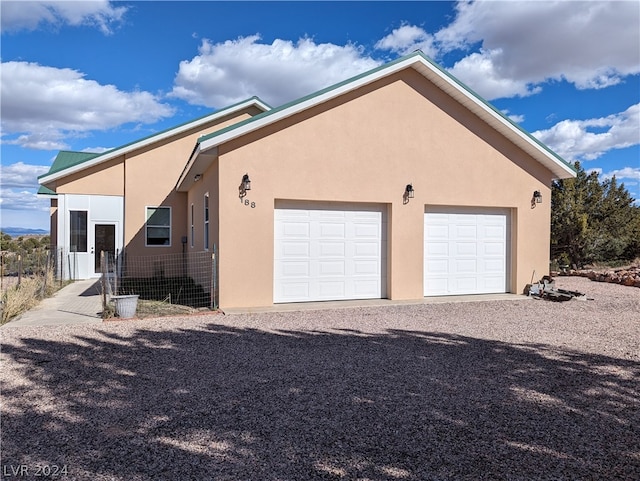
(103, 179)
(147, 177)
(365, 147)
(150, 180)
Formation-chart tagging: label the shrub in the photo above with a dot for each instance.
(24, 296)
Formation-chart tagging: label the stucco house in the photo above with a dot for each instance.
(399, 183)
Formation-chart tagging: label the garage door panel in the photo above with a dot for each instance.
(331, 249)
(465, 249)
(437, 249)
(466, 266)
(493, 249)
(466, 232)
(331, 290)
(296, 229)
(295, 289)
(331, 231)
(465, 252)
(294, 249)
(295, 269)
(331, 268)
(367, 288)
(366, 268)
(343, 249)
(367, 231)
(435, 266)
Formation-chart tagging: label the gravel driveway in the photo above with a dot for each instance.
(496, 390)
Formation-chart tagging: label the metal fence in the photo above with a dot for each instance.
(188, 279)
(16, 265)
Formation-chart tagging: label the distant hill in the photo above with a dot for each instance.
(18, 231)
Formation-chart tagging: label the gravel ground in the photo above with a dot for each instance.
(497, 390)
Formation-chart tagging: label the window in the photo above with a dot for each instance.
(78, 234)
(192, 227)
(206, 222)
(158, 227)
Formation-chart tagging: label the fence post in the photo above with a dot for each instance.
(103, 278)
(115, 272)
(213, 279)
(19, 269)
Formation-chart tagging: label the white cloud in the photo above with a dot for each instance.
(21, 174)
(408, 38)
(517, 118)
(29, 15)
(22, 200)
(592, 44)
(42, 105)
(225, 73)
(589, 139)
(479, 71)
(632, 173)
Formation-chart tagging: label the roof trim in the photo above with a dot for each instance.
(430, 70)
(113, 153)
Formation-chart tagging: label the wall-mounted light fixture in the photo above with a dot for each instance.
(197, 177)
(536, 199)
(537, 196)
(244, 186)
(408, 194)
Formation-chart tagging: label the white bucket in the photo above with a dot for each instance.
(126, 305)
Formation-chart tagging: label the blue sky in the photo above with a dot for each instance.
(90, 76)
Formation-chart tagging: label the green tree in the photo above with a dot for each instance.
(593, 221)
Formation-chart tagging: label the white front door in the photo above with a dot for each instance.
(329, 252)
(465, 252)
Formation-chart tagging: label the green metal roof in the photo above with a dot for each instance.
(66, 159)
(45, 191)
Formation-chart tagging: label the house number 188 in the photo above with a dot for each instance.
(250, 204)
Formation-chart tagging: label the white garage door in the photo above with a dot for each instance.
(325, 252)
(465, 253)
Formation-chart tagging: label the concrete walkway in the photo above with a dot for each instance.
(77, 303)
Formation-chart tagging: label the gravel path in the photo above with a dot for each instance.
(499, 390)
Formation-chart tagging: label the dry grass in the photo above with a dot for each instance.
(22, 297)
(151, 309)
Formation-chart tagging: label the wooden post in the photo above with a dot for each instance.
(19, 268)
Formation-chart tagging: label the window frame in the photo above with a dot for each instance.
(206, 218)
(147, 225)
(192, 229)
(86, 230)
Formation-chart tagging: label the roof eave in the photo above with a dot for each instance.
(110, 155)
(441, 78)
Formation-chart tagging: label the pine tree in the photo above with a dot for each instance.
(593, 221)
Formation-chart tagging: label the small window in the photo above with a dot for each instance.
(158, 228)
(78, 233)
(192, 227)
(206, 222)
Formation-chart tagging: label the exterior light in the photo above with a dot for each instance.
(244, 186)
(537, 197)
(409, 192)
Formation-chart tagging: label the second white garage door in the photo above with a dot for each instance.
(465, 252)
(328, 252)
